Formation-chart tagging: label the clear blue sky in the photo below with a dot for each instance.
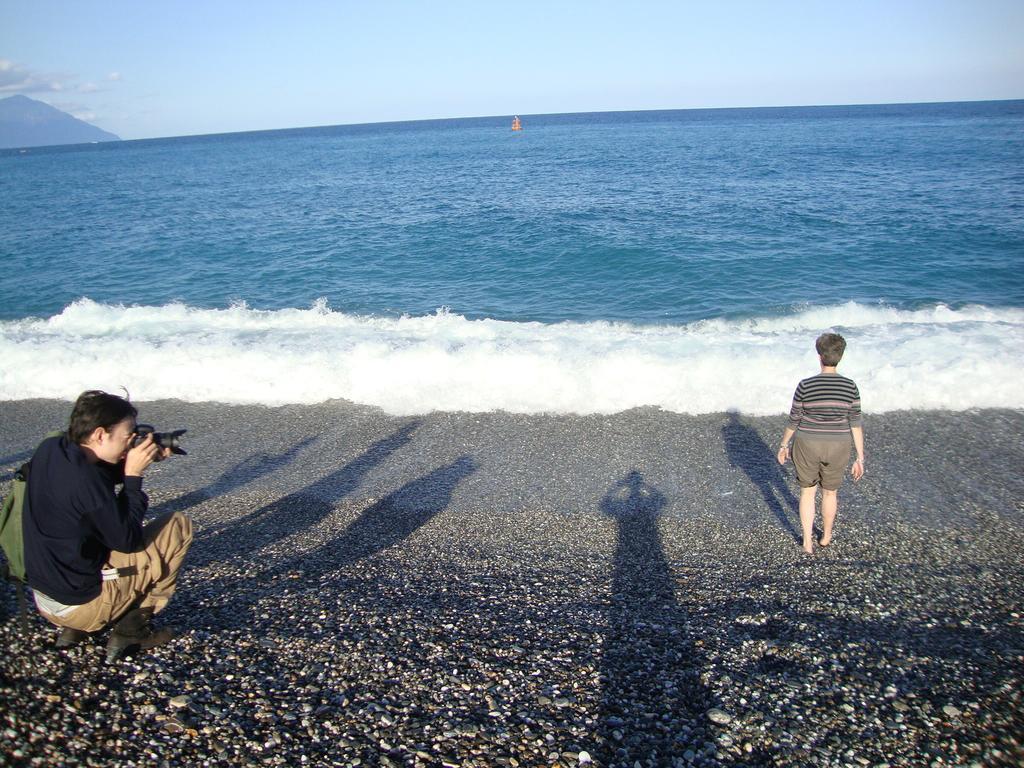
(143, 69)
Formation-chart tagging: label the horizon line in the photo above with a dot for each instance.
(510, 114)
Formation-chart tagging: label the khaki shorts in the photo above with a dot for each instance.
(821, 462)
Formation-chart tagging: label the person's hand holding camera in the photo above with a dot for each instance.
(142, 454)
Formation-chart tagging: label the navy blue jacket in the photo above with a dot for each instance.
(73, 519)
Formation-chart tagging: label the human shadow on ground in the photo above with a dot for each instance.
(397, 516)
(15, 459)
(652, 698)
(438, 614)
(296, 511)
(245, 471)
(746, 450)
(385, 523)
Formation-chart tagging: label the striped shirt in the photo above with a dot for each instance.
(825, 407)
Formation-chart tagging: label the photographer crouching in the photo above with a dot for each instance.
(88, 558)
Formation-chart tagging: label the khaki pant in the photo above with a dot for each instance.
(167, 539)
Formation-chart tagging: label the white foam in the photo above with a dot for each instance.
(937, 357)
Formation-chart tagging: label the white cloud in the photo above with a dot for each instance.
(17, 79)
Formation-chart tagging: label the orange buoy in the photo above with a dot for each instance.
(517, 125)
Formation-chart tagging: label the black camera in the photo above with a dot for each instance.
(170, 440)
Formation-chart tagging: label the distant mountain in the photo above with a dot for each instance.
(25, 122)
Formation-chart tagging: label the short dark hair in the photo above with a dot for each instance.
(830, 347)
(95, 408)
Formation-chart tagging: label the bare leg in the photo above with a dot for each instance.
(829, 504)
(807, 516)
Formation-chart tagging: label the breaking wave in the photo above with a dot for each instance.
(937, 357)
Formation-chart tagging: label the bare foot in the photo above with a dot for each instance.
(825, 541)
(808, 549)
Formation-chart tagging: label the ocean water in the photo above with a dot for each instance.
(589, 264)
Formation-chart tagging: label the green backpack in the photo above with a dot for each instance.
(11, 538)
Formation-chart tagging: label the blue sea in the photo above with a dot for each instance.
(590, 263)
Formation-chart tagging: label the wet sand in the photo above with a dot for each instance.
(495, 589)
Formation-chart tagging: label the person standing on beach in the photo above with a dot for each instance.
(88, 558)
(824, 415)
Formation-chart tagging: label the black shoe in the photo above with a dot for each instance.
(69, 637)
(134, 630)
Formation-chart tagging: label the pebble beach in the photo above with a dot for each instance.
(489, 589)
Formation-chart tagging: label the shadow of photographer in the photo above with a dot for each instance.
(652, 698)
